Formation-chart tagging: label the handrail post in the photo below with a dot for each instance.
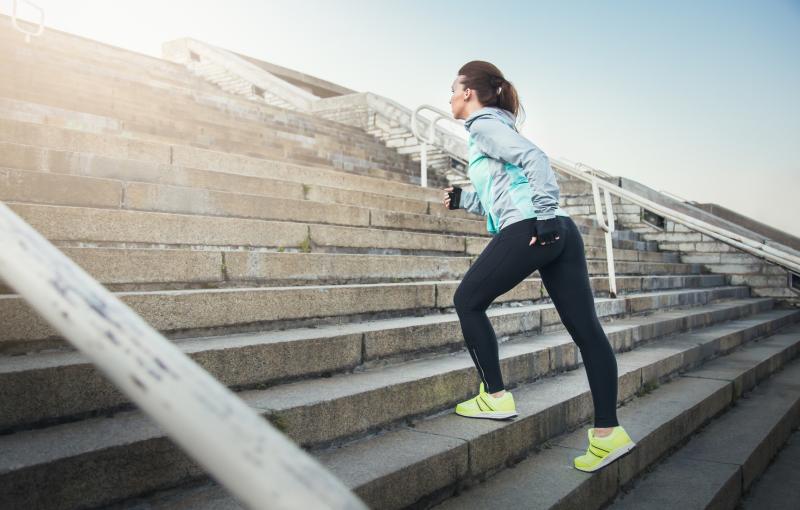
(423, 163)
(608, 228)
(15, 22)
(429, 138)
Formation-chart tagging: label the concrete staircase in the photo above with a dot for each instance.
(63, 81)
(293, 258)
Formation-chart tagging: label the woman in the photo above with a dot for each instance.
(517, 191)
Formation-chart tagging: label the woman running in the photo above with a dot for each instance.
(517, 191)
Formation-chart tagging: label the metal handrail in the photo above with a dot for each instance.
(674, 196)
(260, 466)
(15, 23)
(596, 177)
(786, 260)
(593, 171)
(430, 139)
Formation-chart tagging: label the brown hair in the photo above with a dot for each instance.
(485, 79)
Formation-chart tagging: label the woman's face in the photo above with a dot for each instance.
(459, 98)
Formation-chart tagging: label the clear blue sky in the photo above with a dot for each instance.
(698, 98)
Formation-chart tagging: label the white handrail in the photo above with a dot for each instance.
(430, 138)
(591, 175)
(591, 170)
(15, 23)
(758, 249)
(259, 466)
(673, 196)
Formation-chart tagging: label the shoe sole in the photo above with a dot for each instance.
(493, 416)
(608, 459)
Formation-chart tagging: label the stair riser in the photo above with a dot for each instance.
(122, 269)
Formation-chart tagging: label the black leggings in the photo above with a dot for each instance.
(506, 261)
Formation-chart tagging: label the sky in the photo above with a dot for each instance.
(697, 98)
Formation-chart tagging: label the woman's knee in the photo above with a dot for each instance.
(464, 298)
(460, 297)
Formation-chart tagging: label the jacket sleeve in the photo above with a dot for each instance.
(500, 141)
(470, 201)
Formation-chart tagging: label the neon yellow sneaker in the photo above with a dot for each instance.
(485, 406)
(604, 450)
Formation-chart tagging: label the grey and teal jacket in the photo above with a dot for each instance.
(512, 177)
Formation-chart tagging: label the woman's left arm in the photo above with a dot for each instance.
(500, 141)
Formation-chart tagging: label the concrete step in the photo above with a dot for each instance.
(140, 196)
(286, 184)
(373, 161)
(273, 357)
(26, 187)
(65, 224)
(414, 464)
(658, 422)
(132, 111)
(67, 163)
(180, 313)
(132, 269)
(86, 87)
(30, 146)
(74, 48)
(105, 60)
(778, 484)
(721, 461)
(98, 153)
(79, 65)
(70, 140)
(376, 160)
(155, 229)
(86, 64)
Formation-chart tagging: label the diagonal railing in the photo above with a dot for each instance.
(782, 258)
(256, 463)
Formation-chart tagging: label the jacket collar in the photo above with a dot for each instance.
(491, 111)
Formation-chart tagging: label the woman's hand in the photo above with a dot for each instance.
(547, 230)
(446, 199)
(456, 191)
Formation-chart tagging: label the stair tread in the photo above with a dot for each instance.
(778, 484)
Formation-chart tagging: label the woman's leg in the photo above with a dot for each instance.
(567, 281)
(507, 260)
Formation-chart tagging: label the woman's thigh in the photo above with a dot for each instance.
(567, 282)
(505, 262)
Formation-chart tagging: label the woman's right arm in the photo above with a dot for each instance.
(466, 200)
(471, 202)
